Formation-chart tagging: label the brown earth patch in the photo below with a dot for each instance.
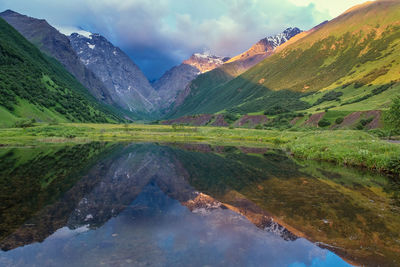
(376, 122)
(251, 121)
(295, 120)
(196, 120)
(351, 119)
(314, 119)
(220, 121)
(355, 117)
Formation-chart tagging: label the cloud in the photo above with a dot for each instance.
(160, 34)
(333, 8)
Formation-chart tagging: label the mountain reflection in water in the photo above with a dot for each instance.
(168, 205)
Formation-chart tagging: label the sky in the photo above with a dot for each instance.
(158, 35)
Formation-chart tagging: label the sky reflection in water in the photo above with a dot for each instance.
(132, 207)
(157, 230)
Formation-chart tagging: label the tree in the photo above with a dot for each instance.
(324, 123)
(392, 117)
(339, 120)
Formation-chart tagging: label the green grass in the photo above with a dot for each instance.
(332, 115)
(359, 49)
(379, 101)
(344, 147)
(34, 85)
(6, 118)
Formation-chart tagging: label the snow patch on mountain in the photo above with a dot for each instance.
(205, 61)
(68, 30)
(125, 82)
(283, 37)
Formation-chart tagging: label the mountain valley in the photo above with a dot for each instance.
(162, 133)
(325, 68)
(305, 71)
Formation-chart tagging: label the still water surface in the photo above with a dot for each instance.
(190, 205)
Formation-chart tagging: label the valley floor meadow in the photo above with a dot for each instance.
(343, 147)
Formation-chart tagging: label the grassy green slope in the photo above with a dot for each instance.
(355, 53)
(36, 86)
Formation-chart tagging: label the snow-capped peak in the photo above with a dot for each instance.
(68, 30)
(283, 37)
(205, 61)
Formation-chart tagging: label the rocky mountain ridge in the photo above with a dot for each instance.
(265, 47)
(55, 44)
(205, 62)
(125, 82)
(112, 77)
(353, 57)
(175, 80)
(36, 87)
(234, 66)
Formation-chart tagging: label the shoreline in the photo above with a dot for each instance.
(353, 148)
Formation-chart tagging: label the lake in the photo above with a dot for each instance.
(145, 204)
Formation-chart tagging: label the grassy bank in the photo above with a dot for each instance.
(344, 147)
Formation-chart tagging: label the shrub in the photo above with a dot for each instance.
(394, 165)
(278, 141)
(378, 132)
(365, 122)
(392, 117)
(339, 120)
(375, 91)
(275, 110)
(24, 123)
(258, 127)
(360, 127)
(177, 127)
(332, 95)
(358, 84)
(324, 123)
(229, 117)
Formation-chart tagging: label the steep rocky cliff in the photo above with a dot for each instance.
(125, 82)
(57, 45)
(175, 80)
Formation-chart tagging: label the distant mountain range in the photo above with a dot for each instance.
(347, 64)
(350, 63)
(109, 74)
(231, 69)
(173, 85)
(175, 80)
(264, 48)
(205, 62)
